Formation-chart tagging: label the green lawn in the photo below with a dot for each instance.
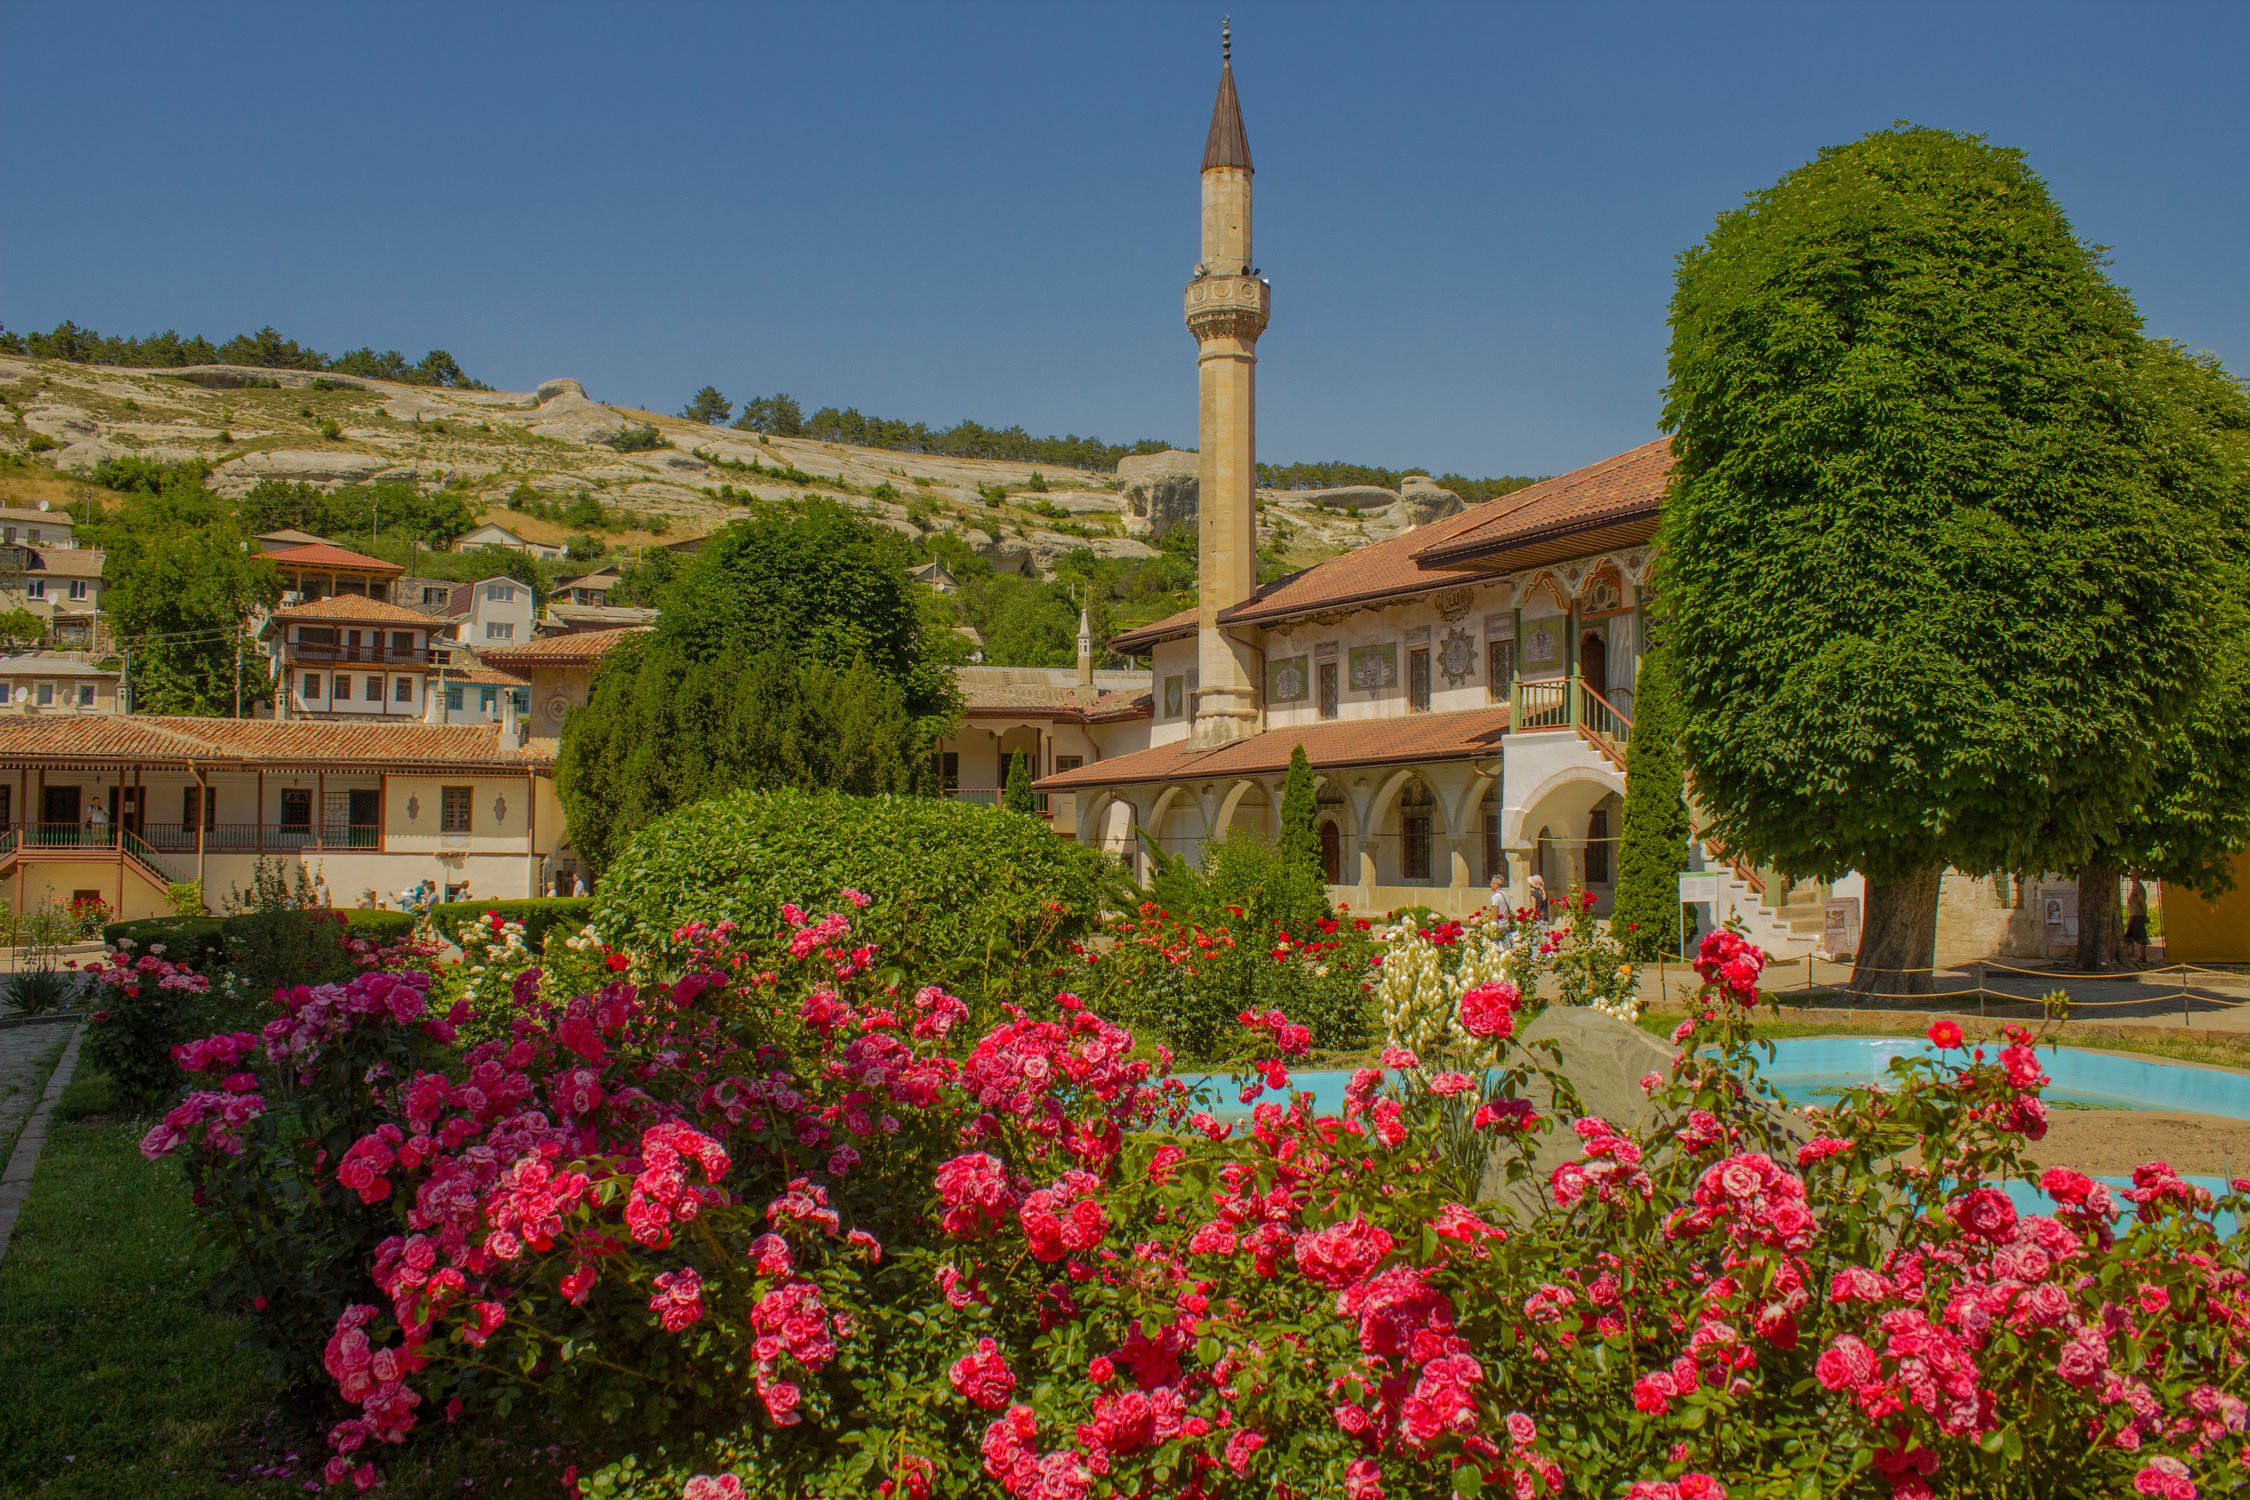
(121, 1381)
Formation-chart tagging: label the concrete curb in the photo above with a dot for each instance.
(15, 1183)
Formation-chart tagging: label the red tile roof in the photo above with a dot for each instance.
(353, 609)
(575, 649)
(157, 740)
(1464, 735)
(323, 555)
(1046, 692)
(1628, 487)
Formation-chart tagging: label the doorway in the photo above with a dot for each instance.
(59, 806)
(1593, 661)
(125, 808)
(1331, 852)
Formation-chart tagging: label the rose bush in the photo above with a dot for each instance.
(1183, 982)
(782, 1229)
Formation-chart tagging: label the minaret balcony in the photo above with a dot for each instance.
(1224, 306)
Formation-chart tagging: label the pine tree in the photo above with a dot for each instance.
(708, 406)
(1017, 797)
(1654, 847)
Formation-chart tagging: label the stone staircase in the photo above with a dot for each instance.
(1791, 930)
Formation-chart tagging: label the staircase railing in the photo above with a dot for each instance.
(1602, 724)
(1759, 878)
(142, 852)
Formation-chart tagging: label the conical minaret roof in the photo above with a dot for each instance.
(1227, 145)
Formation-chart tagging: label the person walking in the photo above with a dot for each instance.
(1537, 888)
(1497, 903)
(2136, 921)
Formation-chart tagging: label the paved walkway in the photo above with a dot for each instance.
(15, 1181)
(27, 1057)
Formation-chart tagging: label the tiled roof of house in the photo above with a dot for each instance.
(41, 664)
(64, 562)
(354, 609)
(290, 536)
(1044, 691)
(577, 648)
(324, 555)
(1626, 488)
(484, 676)
(151, 739)
(58, 518)
(1338, 742)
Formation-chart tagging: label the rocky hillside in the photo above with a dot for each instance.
(553, 444)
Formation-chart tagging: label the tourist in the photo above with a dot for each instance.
(1497, 903)
(578, 884)
(1537, 888)
(2136, 921)
(97, 822)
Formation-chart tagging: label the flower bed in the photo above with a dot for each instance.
(781, 1229)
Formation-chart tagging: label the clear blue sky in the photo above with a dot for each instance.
(933, 211)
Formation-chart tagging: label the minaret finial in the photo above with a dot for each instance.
(1226, 41)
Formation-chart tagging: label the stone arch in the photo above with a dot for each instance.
(1520, 822)
(1246, 804)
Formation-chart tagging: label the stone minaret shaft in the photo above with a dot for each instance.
(1227, 305)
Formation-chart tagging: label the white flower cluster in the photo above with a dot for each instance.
(1420, 983)
(491, 957)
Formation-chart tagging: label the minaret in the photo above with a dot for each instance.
(1085, 649)
(1226, 311)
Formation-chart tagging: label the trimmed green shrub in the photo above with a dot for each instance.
(1653, 850)
(198, 942)
(536, 913)
(376, 925)
(959, 895)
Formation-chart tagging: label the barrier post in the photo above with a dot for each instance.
(1808, 979)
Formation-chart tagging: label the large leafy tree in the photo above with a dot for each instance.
(1934, 599)
(1653, 849)
(789, 654)
(180, 590)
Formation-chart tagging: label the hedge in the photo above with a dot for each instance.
(968, 897)
(536, 913)
(200, 942)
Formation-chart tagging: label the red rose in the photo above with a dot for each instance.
(1945, 1034)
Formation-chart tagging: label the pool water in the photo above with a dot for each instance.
(1804, 1069)
(1808, 1069)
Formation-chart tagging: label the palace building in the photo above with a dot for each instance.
(1463, 691)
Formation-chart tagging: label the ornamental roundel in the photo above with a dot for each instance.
(1457, 657)
(557, 706)
(1372, 668)
(1602, 593)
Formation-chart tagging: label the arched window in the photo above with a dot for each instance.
(1331, 850)
(1414, 808)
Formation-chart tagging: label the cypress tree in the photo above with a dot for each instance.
(1654, 847)
(1300, 830)
(1017, 797)
(1306, 898)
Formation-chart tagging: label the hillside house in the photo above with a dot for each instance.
(321, 570)
(343, 656)
(369, 809)
(492, 534)
(47, 682)
(37, 526)
(62, 585)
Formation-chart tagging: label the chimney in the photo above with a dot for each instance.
(1085, 650)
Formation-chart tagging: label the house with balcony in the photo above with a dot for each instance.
(369, 809)
(593, 588)
(60, 583)
(345, 656)
(322, 570)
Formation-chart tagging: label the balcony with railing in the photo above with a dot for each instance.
(331, 653)
(1570, 704)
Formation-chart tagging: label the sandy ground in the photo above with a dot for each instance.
(2111, 1142)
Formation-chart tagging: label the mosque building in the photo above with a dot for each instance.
(1463, 690)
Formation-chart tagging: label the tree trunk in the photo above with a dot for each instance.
(2101, 926)
(1898, 936)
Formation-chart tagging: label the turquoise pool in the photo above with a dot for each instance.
(1801, 1065)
